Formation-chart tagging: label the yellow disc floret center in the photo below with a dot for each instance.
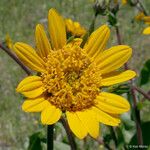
(71, 81)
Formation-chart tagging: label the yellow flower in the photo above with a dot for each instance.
(8, 41)
(122, 1)
(141, 17)
(74, 28)
(146, 30)
(71, 78)
(146, 19)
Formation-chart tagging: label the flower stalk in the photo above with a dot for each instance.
(50, 135)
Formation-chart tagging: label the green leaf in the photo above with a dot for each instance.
(145, 132)
(35, 141)
(140, 105)
(112, 19)
(145, 73)
(119, 89)
(70, 39)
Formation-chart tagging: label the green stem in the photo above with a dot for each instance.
(114, 135)
(50, 135)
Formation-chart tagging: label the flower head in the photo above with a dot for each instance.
(71, 78)
(74, 28)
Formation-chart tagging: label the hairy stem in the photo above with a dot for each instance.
(50, 140)
(15, 58)
(146, 95)
(69, 134)
(137, 118)
(119, 40)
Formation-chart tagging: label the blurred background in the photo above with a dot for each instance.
(18, 18)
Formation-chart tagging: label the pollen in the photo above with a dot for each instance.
(71, 80)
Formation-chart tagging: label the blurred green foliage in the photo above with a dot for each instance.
(145, 73)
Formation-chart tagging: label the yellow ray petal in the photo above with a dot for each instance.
(76, 125)
(112, 103)
(105, 118)
(90, 122)
(34, 105)
(50, 114)
(57, 29)
(29, 57)
(113, 58)
(97, 41)
(117, 77)
(42, 42)
(146, 30)
(31, 86)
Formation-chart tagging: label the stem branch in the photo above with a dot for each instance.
(15, 58)
(146, 95)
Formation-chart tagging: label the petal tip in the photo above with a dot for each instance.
(17, 89)
(16, 44)
(134, 74)
(52, 11)
(39, 26)
(23, 107)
